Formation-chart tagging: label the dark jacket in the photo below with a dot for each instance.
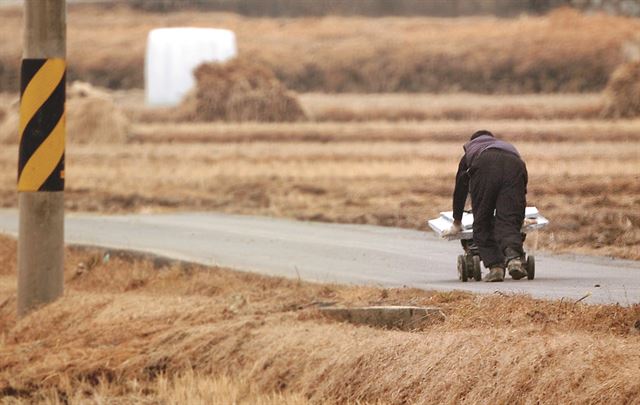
(473, 149)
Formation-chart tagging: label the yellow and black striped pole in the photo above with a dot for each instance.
(41, 156)
(41, 130)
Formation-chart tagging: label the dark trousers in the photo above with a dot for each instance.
(498, 183)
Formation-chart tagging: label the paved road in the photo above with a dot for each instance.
(338, 253)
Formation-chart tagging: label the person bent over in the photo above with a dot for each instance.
(492, 171)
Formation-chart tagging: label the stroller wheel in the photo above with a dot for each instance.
(477, 268)
(462, 268)
(531, 267)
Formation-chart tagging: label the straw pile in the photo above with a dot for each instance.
(91, 116)
(8, 120)
(623, 92)
(239, 91)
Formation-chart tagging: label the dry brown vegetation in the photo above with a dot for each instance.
(584, 174)
(623, 92)
(91, 117)
(239, 90)
(451, 107)
(148, 331)
(9, 118)
(132, 330)
(565, 51)
(411, 8)
(396, 107)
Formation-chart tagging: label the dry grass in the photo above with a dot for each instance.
(565, 51)
(187, 387)
(9, 119)
(623, 92)
(583, 173)
(361, 7)
(545, 131)
(451, 107)
(397, 107)
(239, 90)
(91, 117)
(131, 331)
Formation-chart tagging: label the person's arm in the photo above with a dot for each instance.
(460, 192)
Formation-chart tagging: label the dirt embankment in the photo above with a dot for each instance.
(563, 52)
(131, 330)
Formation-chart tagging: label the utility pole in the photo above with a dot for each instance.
(41, 156)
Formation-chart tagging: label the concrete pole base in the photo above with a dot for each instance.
(40, 249)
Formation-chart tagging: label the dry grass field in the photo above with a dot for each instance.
(130, 330)
(584, 172)
(565, 51)
(452, 107)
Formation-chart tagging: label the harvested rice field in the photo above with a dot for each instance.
(359, 134)
(584, 172)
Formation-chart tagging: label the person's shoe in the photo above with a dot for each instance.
(495, 274)
(516, 269)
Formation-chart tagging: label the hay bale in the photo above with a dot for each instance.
(622, 93)
(91, 115)
(239, 91)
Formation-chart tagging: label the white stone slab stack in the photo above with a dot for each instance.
(533, 220)
(173, 54)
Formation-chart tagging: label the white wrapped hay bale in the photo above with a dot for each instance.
(173, 54)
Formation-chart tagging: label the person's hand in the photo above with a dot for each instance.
(455, 229)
